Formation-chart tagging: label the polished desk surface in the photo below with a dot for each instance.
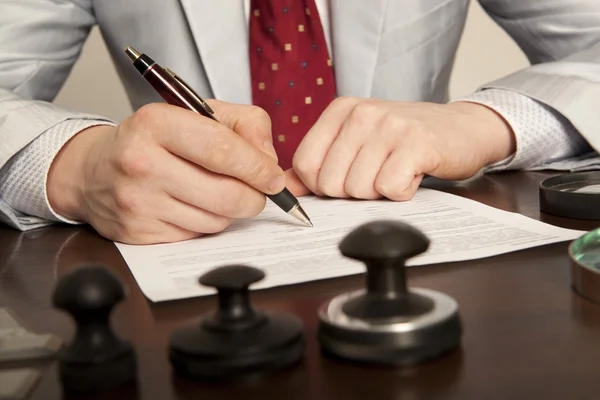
(527, 335)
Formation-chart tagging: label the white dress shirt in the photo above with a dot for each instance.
(541, 135)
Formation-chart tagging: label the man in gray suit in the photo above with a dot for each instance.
(166, 174)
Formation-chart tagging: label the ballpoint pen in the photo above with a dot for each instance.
(176, 91)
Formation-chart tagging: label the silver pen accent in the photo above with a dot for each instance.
(298, 212)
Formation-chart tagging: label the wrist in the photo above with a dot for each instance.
(67, 174)
(491, 131)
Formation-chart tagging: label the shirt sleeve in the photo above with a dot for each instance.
(23, 197)
(542, 134)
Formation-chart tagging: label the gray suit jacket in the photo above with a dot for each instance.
(390, 49)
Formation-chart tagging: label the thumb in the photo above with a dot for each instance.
(295, 184)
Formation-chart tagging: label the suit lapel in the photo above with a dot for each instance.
(220, 33)
(356, 32)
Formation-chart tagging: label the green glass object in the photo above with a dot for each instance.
(586, 250)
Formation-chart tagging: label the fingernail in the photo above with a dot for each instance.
(277, 184)
(269, 148)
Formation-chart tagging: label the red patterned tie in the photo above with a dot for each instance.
(292, 74)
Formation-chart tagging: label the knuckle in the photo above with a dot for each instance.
(134, 162)
(392, 123)
(331, 186)
(298, 164)
(353, 192)
(345, 101)
(256, 113)
(391, 192)
(326, 188)
(303, 166)
(360, 192)
(384, 189)
(147, 116)
(365, 113)
(127, 202)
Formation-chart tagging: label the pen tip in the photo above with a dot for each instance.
(298, 213)
(132, 53)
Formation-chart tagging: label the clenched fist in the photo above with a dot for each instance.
(368, 149)
(167, 174)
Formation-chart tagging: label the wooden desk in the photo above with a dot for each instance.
(527, 335)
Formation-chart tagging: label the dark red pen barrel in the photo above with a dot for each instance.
(168, 88)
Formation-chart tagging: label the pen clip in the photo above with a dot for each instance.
(190, 91)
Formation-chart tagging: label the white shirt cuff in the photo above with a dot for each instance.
(542, 134)
(23, 178)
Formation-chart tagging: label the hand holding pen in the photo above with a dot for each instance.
(175, 91)
(165, 174)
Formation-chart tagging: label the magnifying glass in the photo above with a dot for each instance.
(577, 195)
(574, 195)
(585, 265)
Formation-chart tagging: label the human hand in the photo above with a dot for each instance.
(368, 149)
(167, 174)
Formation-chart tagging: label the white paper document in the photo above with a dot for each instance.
(289, 253)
